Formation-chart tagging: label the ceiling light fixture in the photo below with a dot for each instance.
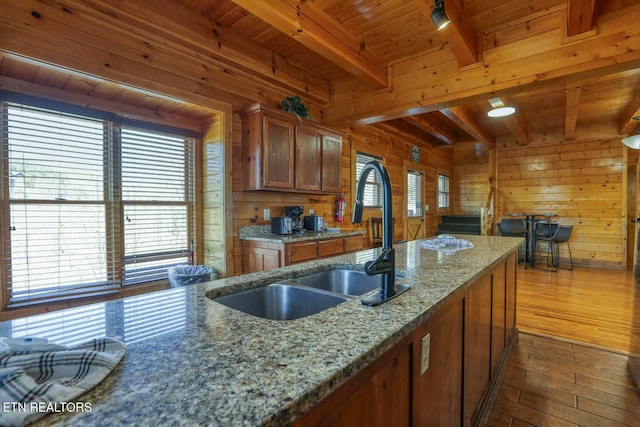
(499, 109)
(633, 141)
(438, 15)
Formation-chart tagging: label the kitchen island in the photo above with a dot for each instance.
(217, 366)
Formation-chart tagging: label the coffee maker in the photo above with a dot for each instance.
(295, 212)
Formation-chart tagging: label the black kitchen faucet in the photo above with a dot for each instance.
(385, 264)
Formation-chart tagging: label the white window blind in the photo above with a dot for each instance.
(92, 204)
(414, 193)
(443, 191)
(157, 200)
(57, 204)
(372, 188)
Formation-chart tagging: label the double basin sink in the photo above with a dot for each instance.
(303, 296)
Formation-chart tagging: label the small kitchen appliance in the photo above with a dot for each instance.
(313, 223)
(281, 225)
(295, 212)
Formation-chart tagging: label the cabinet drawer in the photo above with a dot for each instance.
(352, 244)
(298, 252)
(330, 247)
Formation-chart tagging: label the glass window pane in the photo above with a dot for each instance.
(56, 246)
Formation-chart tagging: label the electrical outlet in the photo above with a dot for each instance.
(424, 359)
(267, 214)
(311, 211)
(426, 208)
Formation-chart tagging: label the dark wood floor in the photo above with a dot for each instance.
(569, 364)
(550, 382)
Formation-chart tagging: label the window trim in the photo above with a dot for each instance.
(372, 179)
(419, 203)
(446, 193)
(110, 179)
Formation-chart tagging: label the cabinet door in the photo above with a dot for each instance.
(260, 259)
(298, 252)
(308, 158)
(378, 396)
(331, 163)
(277, 153)
(437, 393)
(354, 243)
(330, 247)
(510, 318)
(477, 346)
(498, 313)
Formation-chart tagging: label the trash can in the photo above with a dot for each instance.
(183, 275)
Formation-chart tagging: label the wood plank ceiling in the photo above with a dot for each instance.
(333, 41)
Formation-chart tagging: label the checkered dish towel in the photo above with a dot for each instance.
(33, 371)
(446, 243)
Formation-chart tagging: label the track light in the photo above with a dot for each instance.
(438, 15)
(633, 141)
(499, 109)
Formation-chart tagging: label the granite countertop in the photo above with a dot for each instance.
(192, 361)
(263, 233)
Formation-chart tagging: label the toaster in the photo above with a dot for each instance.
(313, 223)
(281, 225)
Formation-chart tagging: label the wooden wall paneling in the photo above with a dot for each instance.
(581, 181)
(470, 178)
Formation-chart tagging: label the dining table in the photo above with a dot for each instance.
(530, 220)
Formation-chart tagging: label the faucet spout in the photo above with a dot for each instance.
(385, 264)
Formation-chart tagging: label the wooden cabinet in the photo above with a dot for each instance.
(308, 158)
(437, 393)
(477, 346)
(284, 153)
(298, 252)
(260, 256)
(463, 349)
(375, 397)
(331, 163)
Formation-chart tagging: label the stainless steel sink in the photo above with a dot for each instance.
(349, 282)
(282, 301)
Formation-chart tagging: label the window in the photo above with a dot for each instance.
(443, 191)
(94, 203)
(372, 188)
(414, 193)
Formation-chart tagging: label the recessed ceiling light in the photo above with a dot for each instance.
(501, 112)
(499, 109)
(633, 141)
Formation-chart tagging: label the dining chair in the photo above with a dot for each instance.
(376, 232)
(561, 234)
(515, 228)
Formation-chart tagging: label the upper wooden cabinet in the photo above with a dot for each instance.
(285, 153)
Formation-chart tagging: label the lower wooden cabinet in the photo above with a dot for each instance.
(437, 393)
(260, 256)
(466, 339)
(376, 397)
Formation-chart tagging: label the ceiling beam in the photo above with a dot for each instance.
(572, 102)
(580, 16)
(515, 123)
(406, 132)
(464, 118)
(309, 25)
(459, 35)
(429, 83)
(627, 124)
(446, 135)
